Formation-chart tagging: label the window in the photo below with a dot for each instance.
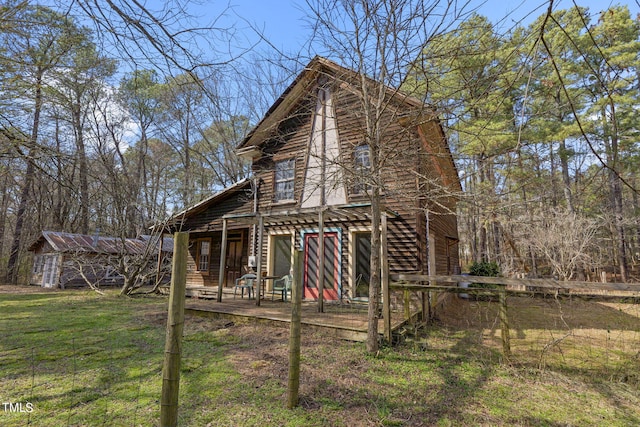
(111, 273)
(38, 263)
(284, 179)
(362, 169)
(203, 255)
(281, 247)
(362, 268)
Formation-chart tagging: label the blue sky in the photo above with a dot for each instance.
(283, 20)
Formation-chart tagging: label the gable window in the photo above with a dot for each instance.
(203, 255)
(284, 179)
(362, 169)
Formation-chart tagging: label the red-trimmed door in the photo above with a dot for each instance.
(331, 266)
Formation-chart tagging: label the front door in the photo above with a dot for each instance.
(233, 263)
(331, 266)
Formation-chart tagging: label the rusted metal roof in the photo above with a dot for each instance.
(71, 242)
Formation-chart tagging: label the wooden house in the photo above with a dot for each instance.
(66, 260)
(312, 175)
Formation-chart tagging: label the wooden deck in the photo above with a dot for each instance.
(345, 321)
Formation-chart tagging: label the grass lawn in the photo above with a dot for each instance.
(76, 358)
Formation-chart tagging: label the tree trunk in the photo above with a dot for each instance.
(611, 144)
(3, 208)
(636, 210)
(82, 167)
(566, 181)
(12, 264)
(616, 200)
(374, 283)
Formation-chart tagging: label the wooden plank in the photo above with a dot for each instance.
(523, 283)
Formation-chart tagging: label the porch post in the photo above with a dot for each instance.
(321, 260)
(223, 258)
(259, 258)
(386, 306)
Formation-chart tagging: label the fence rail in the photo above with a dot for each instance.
(419, 282)
(501, 287)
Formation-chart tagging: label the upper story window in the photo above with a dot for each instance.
(284, 179)
(362, 169)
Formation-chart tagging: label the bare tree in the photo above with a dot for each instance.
(133, 263)
(379, 40)
(40, 45)
(564, 240)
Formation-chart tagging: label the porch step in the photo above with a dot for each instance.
(202, 292)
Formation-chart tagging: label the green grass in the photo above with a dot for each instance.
(82, 359)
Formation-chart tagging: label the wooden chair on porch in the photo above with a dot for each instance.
(282, 285)
(245, 282)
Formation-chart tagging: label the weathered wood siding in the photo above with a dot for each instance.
(207, 223)
(408, 168)
(410, 175)
(210, 218)
(211, 276)
(290, 140)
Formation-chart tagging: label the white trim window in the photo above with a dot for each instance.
(284, 180)
(280, 253)
(203, 255)
(362, 169)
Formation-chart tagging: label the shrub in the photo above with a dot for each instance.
(488, 269)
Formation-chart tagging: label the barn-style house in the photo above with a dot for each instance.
(312, 176)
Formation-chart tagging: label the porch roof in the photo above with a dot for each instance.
(338, 213)
(202, 205)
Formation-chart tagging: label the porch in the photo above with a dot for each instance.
(342, 320)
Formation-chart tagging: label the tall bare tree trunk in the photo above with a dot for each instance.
(375, 264)
(616, 201)
(12, 264)
(4, 202)
(566, 181)
(82, 168)
(636, 210)
(615, 189)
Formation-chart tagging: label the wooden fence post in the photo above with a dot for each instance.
(504, 325)
(294, 335)
(175, 326)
